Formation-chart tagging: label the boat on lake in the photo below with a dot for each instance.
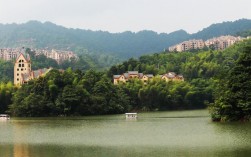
(131, 115)
(4, 117)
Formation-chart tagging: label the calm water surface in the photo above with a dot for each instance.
(183, 133)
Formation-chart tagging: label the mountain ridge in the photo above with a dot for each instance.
(127, 44)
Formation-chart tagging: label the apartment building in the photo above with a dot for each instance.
(8, 54)
(188, 45)
(57, 55)
(219, 43)
(222, 42)
(60, 56)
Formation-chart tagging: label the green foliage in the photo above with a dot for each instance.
(6, 71)
(89, 61)
(6, 91)
(201, 71)
(233, 96)
(69, 93)
(225, 28)
(244, 33)
(203, 64)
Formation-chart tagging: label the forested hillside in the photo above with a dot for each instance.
(128, 44)
(91, 92)
(245, 34)
(201, 71)
(225, 28)
(233, 93)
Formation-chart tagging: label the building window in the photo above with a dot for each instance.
(17, 69)
(17, 74)
(17, 79)
(22, 65)
(22, 69)
(19, 65)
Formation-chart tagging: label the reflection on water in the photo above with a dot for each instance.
(96, 151)
(186, 133)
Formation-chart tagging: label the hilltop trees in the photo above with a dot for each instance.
(123, 45)
(90, 93)
(6, 91)
(233, 97)
(69, 93)
(6, 71)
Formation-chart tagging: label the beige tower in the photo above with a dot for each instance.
(22, 66)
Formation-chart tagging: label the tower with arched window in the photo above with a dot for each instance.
(22, 66)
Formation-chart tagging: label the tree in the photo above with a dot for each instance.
(6, 91)
(233, 100)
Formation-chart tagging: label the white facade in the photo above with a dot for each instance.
(131, 115)
(187, 45)
(219, 43)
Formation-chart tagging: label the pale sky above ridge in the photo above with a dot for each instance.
(126, 15)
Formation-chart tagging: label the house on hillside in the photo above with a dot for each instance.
(23, 72)
(131, 75)
(172, 76)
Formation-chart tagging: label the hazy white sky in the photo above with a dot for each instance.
(126, 15)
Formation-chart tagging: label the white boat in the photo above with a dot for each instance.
(4, 117)
(131, 115)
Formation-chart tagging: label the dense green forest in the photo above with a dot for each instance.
(244, 33)
(6, 91)
(218, 79)
(122, 45)
(77, 93)
(69, 93)
(224, 28)
(233, 93)
(6, 71)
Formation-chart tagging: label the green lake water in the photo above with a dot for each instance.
(155, 134)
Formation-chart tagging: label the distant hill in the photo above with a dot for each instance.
(225, 28)
(35, 34)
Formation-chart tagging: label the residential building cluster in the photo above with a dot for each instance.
(219, 43)
(222, 42)
(171, 76)
(58, 55)
(8, 54)
(188, 45)
(23, 72)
